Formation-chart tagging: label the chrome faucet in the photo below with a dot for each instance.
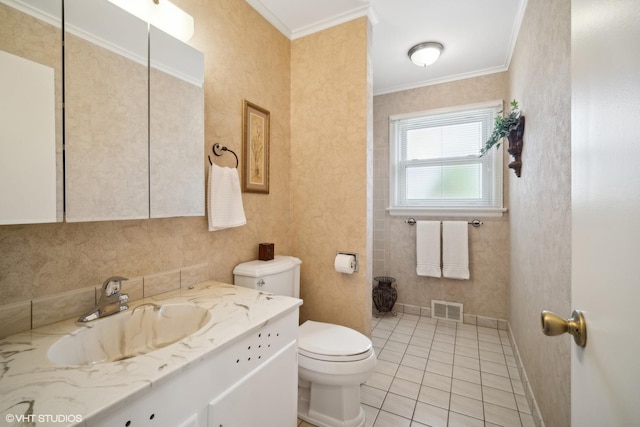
(111, 301)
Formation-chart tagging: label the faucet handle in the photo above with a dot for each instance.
(112, 285)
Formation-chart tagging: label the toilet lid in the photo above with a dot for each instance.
(326, 341)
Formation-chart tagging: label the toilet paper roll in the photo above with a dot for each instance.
(345, 263)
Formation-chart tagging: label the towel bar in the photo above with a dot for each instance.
(475, 222)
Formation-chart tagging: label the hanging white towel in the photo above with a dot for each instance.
(428, 248)
(224, 199)
(455, 250)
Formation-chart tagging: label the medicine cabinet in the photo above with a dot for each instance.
(133, 119)
(31, 188)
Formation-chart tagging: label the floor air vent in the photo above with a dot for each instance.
(446, 310)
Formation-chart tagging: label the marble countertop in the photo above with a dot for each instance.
(58, 395)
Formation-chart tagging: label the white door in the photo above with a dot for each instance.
(605, 56)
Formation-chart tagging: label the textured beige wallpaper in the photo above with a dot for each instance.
(245, 57)
(487, 292)
(330, 154)
(541, 203)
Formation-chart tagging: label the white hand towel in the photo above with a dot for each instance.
(455, 250)
(224, 199)
(428, 248)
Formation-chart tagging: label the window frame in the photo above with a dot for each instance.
(491, 206)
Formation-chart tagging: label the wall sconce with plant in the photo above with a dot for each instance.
(510, 126)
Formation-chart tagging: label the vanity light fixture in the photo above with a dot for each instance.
(425, 54)
(161, 14)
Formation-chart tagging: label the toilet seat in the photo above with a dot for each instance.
(332, 343)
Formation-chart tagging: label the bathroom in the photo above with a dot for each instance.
(327, 186)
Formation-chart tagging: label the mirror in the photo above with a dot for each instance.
(134, 117)
(176, 127)
(106, 113)
(30, 112)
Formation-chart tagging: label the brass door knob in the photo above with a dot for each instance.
(552, 325)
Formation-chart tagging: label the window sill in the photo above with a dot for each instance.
(440, 212)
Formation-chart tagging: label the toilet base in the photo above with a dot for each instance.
(330, 405)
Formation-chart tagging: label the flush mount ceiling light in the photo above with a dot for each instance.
(425, 54)
(161, 14)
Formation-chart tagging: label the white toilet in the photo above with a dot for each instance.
(333, 360)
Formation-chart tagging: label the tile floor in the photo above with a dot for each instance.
(442, 374)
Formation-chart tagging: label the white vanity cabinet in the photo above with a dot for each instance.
(249, 382)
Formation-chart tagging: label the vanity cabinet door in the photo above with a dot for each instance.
(106, 113)
(164, 409)
(266, 397)
(176, 127)
(191, 422)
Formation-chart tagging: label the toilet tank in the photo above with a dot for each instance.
(280, 275)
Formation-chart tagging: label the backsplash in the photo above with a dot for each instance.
(25, 315)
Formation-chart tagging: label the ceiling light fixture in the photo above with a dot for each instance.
(161, 14)
(425, 54)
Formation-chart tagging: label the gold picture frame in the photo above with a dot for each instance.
(255, 148)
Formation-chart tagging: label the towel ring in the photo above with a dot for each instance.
(217, 151)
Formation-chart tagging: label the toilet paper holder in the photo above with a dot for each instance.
(353, 254)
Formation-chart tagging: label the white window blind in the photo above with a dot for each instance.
(435, 159)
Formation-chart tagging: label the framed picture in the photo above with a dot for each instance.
(255, 149)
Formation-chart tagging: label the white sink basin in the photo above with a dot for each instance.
(131, 333)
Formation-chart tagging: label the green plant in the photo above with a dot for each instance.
(502, 126)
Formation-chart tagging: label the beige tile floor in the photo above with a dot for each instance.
(442, 374)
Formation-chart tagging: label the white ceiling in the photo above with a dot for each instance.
(478, 35)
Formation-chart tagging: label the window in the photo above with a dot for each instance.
(434, 162)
